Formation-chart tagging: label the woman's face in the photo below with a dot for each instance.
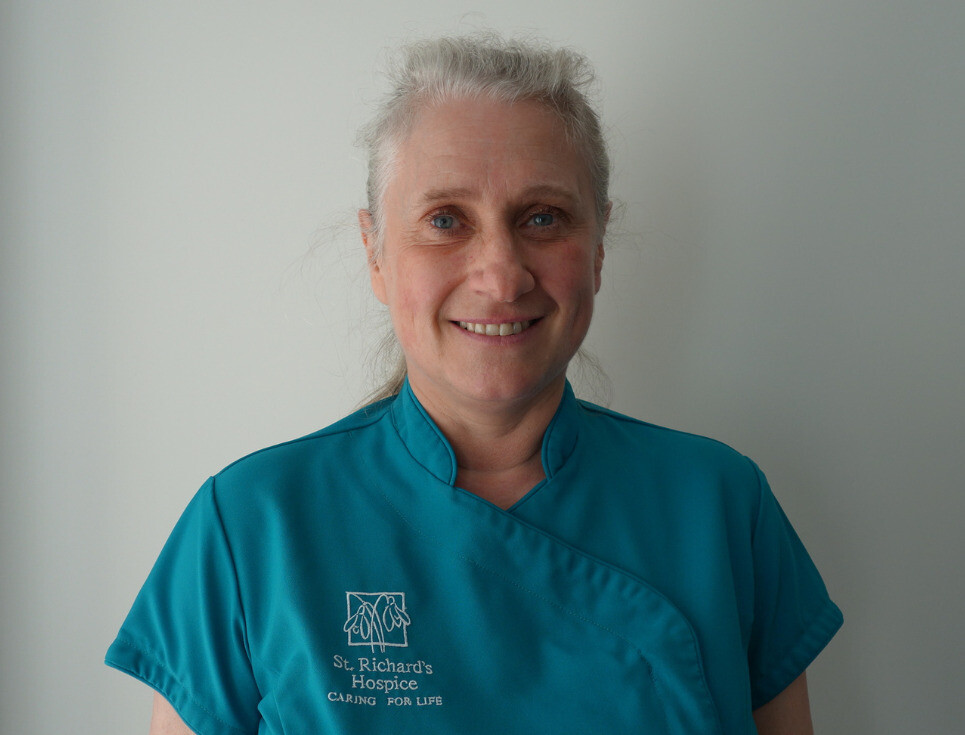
(491, 252)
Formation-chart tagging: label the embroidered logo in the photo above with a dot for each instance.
(376, 619)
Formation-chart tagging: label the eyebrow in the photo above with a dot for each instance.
(437, 195)
(537, 190)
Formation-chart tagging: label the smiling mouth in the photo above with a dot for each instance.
(496, 330)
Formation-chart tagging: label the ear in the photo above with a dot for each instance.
(598, 259)
(598, 267)
(374, 260)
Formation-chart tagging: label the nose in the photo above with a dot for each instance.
(499, 268)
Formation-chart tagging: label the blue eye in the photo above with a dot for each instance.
(543, 219)
(444, 221)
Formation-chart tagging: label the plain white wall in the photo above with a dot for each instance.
(180, 285)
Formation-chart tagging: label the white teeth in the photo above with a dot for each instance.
(502, 329)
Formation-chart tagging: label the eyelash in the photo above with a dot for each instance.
(557, 215)
(436, 215)
(548, 211)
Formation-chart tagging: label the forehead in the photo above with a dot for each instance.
(482, 147)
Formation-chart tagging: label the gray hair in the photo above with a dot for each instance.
(435, 71)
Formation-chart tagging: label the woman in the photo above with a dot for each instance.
(480, 552)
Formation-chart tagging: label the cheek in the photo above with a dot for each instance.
(572, 276)
(419, 287)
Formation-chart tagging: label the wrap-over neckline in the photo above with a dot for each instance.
(429, 447)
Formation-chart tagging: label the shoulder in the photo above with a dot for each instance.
(653, 442)
(307, 461)
(696, 474)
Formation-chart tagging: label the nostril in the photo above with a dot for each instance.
(500, 270)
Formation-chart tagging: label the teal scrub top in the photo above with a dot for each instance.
(341, 583)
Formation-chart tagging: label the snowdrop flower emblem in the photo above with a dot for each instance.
(393, 617)
(376, 620)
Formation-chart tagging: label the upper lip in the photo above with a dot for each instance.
(497, 320)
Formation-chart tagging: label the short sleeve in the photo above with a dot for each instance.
(185, 634)
(794, 618)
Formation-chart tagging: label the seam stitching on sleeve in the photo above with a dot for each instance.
(153, 656)
(234, 572)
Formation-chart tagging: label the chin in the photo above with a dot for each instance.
(492, 388)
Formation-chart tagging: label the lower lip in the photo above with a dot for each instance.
(493, 339)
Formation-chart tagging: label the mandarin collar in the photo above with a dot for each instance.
(430, 448)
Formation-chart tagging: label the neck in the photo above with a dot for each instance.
(497, 447)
